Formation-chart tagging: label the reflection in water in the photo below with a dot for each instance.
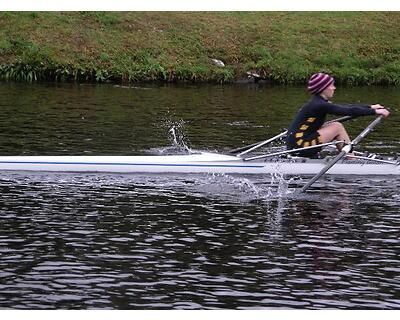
(184, 241)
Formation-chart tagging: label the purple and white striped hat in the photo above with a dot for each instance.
(318, 82)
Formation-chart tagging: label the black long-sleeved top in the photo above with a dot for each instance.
(312, 115)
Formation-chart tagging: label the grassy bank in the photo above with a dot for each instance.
(358, 48)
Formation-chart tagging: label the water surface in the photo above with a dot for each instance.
(188, 241)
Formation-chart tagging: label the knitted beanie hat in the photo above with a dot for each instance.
(318, 82)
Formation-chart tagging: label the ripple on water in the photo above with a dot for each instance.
(195, 242)
(71, 241)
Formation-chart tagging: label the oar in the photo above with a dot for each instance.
(396, 163)
(346, 149)
(256, 145)
(341, 119)
(240, 149)
(292, 150)
(259, 145)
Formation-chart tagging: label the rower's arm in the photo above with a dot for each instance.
(348, 110)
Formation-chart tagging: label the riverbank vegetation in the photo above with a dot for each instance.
(282, 47)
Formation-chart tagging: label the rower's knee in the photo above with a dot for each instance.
(334, 130)
(338, 126)
(341, 133)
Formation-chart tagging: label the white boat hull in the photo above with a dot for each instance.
(194, 163)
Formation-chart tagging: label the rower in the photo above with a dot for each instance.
(308, 129)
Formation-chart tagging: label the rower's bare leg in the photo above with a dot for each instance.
(334, 131)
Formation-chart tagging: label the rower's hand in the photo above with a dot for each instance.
(379, 109)
(384, 112)
(377, 106)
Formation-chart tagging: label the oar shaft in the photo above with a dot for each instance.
(341, 119)
(396, 163)
(292, 151)
(259, 145)
(346, 149)
(366, 131)
(323, 171)
(256, 145)
(240, 149)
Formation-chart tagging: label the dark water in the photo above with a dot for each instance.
(188, 241)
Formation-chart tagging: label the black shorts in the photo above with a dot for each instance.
(299, 140)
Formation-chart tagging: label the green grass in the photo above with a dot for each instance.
(285, 47)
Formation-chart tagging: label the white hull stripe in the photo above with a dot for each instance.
(135, 164)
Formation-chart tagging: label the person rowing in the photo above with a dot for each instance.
(308, 129)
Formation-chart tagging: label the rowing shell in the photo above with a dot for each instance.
(193, 163)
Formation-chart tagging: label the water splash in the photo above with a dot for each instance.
(282, 185)
(175, 131)
(263, 189)
(177, 135)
